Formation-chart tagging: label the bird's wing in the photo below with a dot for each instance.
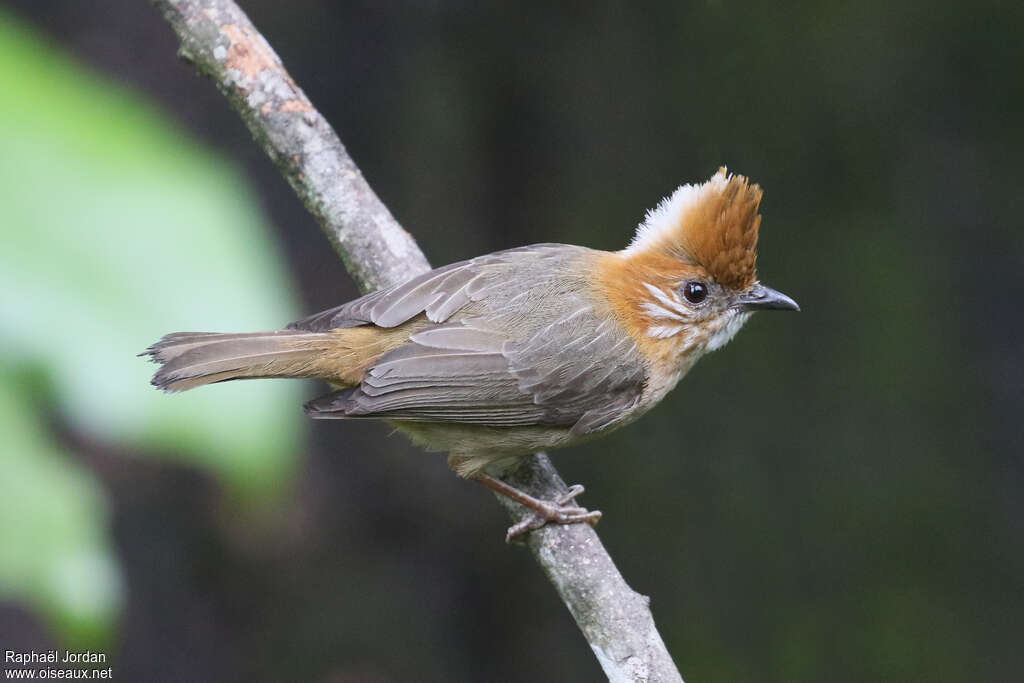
(438, 294)
(577, 371)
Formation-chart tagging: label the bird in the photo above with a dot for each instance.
(523, 350)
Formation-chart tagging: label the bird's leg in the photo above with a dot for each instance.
(560, 511)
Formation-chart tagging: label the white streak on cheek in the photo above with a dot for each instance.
(671, 302)
(663, 331)
(656, 311)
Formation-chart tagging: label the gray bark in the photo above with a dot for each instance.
(222, 43)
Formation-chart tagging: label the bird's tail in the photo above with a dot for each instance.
(192, 359)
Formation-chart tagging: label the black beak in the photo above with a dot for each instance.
(761, 298)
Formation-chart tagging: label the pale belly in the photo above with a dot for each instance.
(476, 448)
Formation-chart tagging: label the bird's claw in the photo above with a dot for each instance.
(570, 495)
(560, 511)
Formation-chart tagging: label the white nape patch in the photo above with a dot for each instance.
(671, 212)
(724, 334)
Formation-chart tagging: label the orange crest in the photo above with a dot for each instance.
(713, 225)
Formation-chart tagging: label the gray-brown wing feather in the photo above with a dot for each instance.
(515, 341)
(573, 372)
(582, 368)
(439, 293)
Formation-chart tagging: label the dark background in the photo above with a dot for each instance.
(835, 496)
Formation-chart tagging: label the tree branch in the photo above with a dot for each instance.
(222, 43)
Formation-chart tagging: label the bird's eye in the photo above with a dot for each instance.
(695, 292)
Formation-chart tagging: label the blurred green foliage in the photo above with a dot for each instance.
(116, 229)
(52, 523)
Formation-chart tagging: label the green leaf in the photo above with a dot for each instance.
(53, 520)
(116, 228)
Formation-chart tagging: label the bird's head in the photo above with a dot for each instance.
(688, 281)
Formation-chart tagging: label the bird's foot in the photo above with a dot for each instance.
(561, 511)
